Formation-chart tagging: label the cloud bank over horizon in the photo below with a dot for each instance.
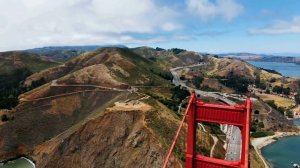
(200, 25)
(29, 23)
(279, 27)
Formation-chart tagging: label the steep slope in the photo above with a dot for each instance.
(94, 112)
(110, 108)
(238, 71)
(14, 68)
(169, 58)
(39, 120)
(99, 143)
(136, 132)
(10, 61)
(108, 68)
(225, 66)
(123, 64)
(66, 52)
(50, 120)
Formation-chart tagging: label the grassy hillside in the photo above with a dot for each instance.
(231, 74)
(66, 52)
(102, 106)
(167, 59)
(120, 63)
(15, 67)
(10, 61)
(78, 115)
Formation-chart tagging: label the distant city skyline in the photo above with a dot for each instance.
(213, 26)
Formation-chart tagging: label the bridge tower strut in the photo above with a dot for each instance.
(198, 111)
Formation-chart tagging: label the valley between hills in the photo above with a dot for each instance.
(121, 107)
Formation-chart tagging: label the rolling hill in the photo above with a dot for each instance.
(15, 67)
(66, 52)
(96, 99)
(101, 106)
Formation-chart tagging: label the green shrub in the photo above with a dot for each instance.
(261, 125)
(197, 81)
(273, 105)
(238, 83)
(281, 90)
(297, 98)
(4, 118)
(289, 114)
(261, 134)
(179, 93)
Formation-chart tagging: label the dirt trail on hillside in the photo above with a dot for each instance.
(106, 140)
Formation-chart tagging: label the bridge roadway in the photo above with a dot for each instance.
(233, 133)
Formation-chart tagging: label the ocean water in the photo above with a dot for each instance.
(286, 69)
(281, 153)
(18, 163)
(286, 150)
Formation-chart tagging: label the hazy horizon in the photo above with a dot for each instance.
(213, 26)
(238, 52)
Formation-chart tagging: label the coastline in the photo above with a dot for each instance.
(259, 143)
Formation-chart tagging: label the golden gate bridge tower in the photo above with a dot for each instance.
(198, 111)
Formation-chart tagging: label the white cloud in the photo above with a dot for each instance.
(279, 27)
(168, 26)
(206, 9)
(32, 23)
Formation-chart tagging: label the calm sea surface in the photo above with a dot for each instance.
(286, 150)
(281, 153)
(286, 69)
(18, 163)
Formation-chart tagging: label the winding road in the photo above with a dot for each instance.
(233, 133)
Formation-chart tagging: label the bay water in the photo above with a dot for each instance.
(286, 69)
(18, 163)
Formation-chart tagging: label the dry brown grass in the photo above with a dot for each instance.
(130, 106)
(264, 75)
(224, 66)
(35, 93)
(279, 101)
(255, 161)
(216, 85)
(92, 75)
(65, 105)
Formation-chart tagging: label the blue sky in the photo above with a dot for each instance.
(258, 26)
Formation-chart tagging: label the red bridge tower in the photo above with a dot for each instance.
(198, 111)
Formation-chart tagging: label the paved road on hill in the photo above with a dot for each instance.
(233, 151)
(177, 82)
(233, 133)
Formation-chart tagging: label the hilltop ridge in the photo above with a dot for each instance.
(122, 101)
(76, 99)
